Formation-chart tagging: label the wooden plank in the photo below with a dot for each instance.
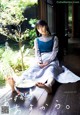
(44, 103)
(20, 106)
(66, 100)
(38, 109)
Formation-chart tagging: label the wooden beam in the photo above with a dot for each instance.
(42, 9)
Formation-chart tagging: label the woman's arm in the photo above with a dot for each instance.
(54, 50)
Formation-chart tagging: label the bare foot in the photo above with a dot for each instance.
(42, 85)
(11, 83)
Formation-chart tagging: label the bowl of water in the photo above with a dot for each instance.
(25, 86)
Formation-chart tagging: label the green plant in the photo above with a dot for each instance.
(11, 13)
(32, 33)
(2, 80)
(32, 36)
(2, 49)
(12, 59)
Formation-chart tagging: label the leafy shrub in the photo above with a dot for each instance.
(32, 36)
(13, 58)
(32, 33)
(2, 80)
(1, 51)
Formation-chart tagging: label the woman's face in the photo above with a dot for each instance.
(42, 30)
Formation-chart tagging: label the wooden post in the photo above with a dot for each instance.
(60, 28)
(42, 10)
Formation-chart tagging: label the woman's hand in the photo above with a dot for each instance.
(43, 64)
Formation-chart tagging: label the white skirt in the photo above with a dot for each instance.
(49, 73)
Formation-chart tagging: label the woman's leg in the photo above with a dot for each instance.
(11, 82)
(44, 86)
(49, 77)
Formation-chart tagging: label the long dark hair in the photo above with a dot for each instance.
(42, 23)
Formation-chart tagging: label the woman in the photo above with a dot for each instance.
(46, 49)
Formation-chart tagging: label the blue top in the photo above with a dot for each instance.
(45, 46)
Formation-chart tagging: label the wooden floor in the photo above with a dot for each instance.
(65, 99)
